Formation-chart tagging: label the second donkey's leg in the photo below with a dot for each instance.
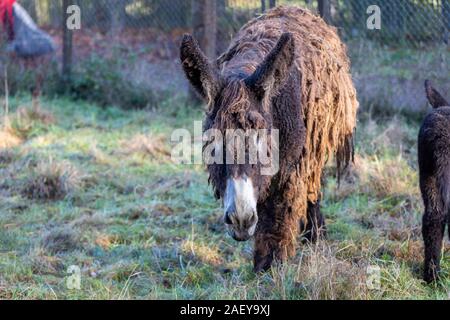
(433, 229)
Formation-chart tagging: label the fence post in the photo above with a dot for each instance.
(272, 3)
(204, 25)
(263, 6)
(325, 10)
(446, 20)
(67, 46)
(210, 21)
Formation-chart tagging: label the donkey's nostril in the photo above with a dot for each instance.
(254, 218)
(228, 219)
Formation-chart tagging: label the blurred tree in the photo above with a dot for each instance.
(117, 15)
(204, 25)
(325, 10)
(446, 20)
(30, 6)
(54, 9)
(272, 4)
(210, 22)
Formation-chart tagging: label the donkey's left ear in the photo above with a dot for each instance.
(434, 97)
(272, 73)
(199, 71)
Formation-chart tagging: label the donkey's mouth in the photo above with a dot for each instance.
(241, 235)
(240, 238)
(240, 213)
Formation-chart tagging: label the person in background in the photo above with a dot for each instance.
(28, 45)
(7, 19)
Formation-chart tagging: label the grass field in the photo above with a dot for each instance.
(95, 188)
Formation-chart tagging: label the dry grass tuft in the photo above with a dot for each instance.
(378, 176)
(5, 294)
(60, 240)
(153, 146)
(52, 181)
(8, 138)
(35, 113)
(99, 156)
(410, 251)
(16, 127)
(41, 263)
(394, 136)
(7, 156)
(26, 118)
(374, 176)
(324, 276)
(161, 210)
(105, 241)
(206, 254)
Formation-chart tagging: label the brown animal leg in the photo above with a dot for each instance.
(279, 224)
(265, 242)
(263, 254)
(268, 248)
(315, 227)
(433, 229)
(275, 237)
(268, 240)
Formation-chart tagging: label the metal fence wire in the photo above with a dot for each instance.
(407, 22)
(149, 31)
(129, 49)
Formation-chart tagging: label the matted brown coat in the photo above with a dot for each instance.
(286, 69)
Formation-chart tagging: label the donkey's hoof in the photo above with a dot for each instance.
(430, 276)
(262, 264)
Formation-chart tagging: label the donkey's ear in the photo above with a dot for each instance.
(271, 74)
(435, 98)
(198, 69)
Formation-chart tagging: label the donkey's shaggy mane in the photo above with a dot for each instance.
(329, 104)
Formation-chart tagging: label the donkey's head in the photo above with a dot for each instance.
(238, 106)
(434, 97)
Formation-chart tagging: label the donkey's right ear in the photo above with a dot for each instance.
(199, 71)
(434, 97)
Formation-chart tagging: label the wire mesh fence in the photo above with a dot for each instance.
(156, 25)
(410, 22)
(138, 40)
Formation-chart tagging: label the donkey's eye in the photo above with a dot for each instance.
(228, 220)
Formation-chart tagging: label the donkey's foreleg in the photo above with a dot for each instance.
(264, 251)
(275, 238)
(279, 223)
(433, 229)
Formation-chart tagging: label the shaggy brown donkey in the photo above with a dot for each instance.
(434, 166)
(285, 70)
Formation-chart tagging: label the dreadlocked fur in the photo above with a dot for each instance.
(328, 96)
(314, 107)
